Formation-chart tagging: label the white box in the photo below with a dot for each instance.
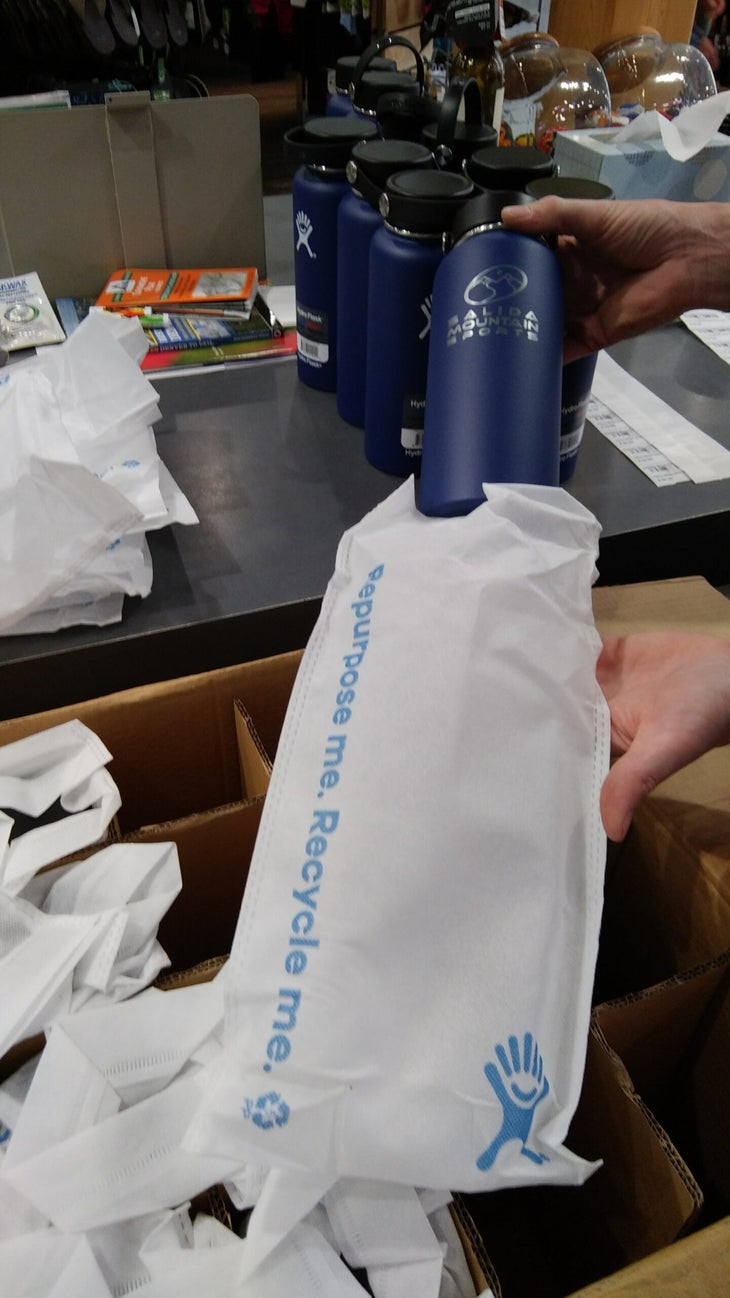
(644, 169)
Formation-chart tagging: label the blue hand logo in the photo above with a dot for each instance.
(519, 1085)
(267, 1111)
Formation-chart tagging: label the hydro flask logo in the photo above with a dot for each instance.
(426, 309)
(304, 233)
(495, 284)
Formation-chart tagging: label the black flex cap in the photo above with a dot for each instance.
(424, 202)
(345, 67)
(569, 187)
(372, 161)
(466, 139)
(374, 84)
(486, 209)
(508, 166)
(329, 141)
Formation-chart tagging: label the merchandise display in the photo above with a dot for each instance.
(322, 973)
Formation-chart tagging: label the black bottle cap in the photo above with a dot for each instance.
(569, 187)
(329, 141)
(345, 67)
(508, 166)
(403, 116)
(372, 161)
(486, 209)
(374, 84)
(467, 138)
(424, 202)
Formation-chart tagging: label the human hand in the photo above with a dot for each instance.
(630, 266)
(669, 699)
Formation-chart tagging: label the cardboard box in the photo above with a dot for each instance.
(134, 182)
(179, 750)
(644, 169)
(174, 745)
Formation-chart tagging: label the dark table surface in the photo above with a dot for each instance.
(276, 477)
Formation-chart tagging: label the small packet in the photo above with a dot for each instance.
(27, 318)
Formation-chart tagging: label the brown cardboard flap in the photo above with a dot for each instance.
(215, 851)
(642, 1198)
(84, 191)
(696, 1267)
(173, 744)
(675, 1042)
(254, 761)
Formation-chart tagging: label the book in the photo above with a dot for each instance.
(249, 339)
(126, 289)
(195, 332)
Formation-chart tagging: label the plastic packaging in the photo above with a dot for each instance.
(645, 72)
(548, 88)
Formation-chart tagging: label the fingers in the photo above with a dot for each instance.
(583, 217)
(656, 752)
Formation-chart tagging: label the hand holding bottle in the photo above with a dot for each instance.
(630, 266)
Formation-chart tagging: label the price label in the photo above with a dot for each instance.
(635, 447)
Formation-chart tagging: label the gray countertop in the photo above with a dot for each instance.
(276, 477)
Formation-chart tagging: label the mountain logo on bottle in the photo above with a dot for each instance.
(495, 284)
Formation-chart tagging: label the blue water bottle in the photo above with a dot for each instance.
(323, 145)
(418, 208)
(339, 104)
(577, 375)
(358, 218)
(495, 362)
(453, 138)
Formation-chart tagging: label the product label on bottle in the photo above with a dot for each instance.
(569, 442)
(518, 121)
(312, 335)
(411, 433)
(471, 22)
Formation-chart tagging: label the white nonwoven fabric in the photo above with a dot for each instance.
(408, 994)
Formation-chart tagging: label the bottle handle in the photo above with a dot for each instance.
(459, 89)
(372, 52)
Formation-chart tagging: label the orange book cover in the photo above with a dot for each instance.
(139, 288)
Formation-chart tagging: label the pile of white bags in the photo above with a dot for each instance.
(80, 480)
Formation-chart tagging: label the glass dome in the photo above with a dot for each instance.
(550, 87)
(645, 72)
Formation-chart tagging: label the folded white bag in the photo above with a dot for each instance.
(408, 994)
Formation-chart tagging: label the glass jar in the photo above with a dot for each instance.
(644, 72)
(550, 87)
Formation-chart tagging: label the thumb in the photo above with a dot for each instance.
(656, 752)
(580, 217)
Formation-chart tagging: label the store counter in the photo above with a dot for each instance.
(276, 477)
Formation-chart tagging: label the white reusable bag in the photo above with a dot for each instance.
(408, 993)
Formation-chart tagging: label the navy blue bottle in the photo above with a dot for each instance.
(358, 218)
(495, 362)
(577, 375)
(324, 145)
(418, 208)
